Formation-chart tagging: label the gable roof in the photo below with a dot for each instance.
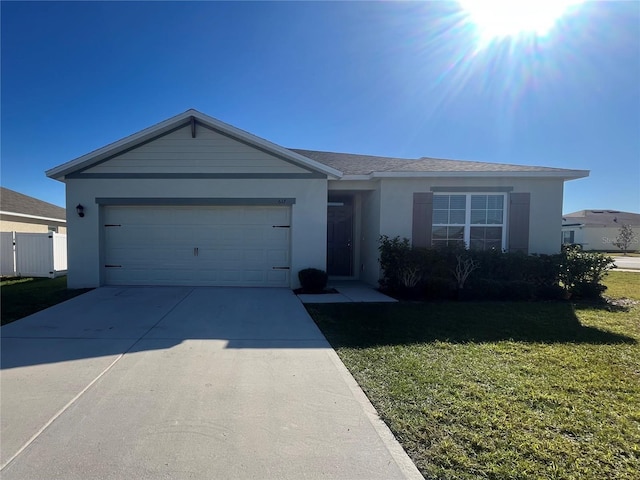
(601, 218)
(179, 121)
(18, 204)
(373, 166)
(334, 165)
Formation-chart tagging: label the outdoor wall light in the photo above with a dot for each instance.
(80, 210)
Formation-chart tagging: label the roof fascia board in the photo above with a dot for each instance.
(119, 146)
(564, 174)
(35, 217)
(355, 177)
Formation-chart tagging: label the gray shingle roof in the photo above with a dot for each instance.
(14, 202)
(602, 218)
(352, 164)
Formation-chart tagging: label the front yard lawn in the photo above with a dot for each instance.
(23, 296)
(502, 390)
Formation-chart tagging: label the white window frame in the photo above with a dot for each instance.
(467, 217)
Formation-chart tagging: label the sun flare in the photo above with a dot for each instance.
(497, 19)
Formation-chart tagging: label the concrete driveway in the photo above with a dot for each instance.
(179, 382)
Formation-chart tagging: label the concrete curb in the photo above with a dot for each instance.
(402, 459)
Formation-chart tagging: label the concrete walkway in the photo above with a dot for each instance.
(349, 291)
(185, 383)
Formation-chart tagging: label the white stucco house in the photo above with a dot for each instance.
(195, 201)
(599, 229)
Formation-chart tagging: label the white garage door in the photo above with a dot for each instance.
(187, 245)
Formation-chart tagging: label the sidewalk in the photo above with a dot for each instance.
(348, 292)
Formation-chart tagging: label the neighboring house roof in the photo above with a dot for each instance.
(334, 165)
(373, 166)
(601, 218)
(20, 205)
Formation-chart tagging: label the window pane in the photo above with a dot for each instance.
(456, 233)
(441, 202)
(494, 216)
(477, 233)
(478, 216)
(440, 216)
(476, 244)
(495, 202)
(493, 245)
(456, 216)
(493, 233)
(458, 202)
(439, 233)
(479, 202)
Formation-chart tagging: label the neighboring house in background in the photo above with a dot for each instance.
(25, 214)
(195, 201)
(598, 229)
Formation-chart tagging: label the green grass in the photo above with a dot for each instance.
(24, 296)
(623, 285)
(501, 390)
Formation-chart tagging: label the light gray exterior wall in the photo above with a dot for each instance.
(209, 152)
(545, 214)
(387, 209)
(601, 238)
(370, 266)
(308, 223)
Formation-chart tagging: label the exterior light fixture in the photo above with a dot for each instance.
(80, 210)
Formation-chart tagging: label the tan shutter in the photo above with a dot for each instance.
(519, 222)
(422, 219)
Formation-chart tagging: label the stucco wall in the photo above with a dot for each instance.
(308, 227)
(545, 209)
(370, 267)
(601, 238)
(29, 227)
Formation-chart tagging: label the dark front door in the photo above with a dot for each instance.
(340, 236)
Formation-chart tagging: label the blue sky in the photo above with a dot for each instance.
(390, 79)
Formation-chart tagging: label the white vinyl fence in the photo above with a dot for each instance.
(33, 254)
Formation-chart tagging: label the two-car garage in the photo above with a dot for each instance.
(209, 245)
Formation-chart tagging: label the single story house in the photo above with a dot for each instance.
(24, 214)
(195, 201)
(599, 229)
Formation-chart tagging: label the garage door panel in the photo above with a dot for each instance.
(183, 245)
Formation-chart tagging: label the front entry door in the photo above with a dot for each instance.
(340, 236)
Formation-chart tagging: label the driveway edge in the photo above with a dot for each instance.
(402, 459)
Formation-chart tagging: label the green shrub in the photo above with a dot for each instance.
(313, 280)
(394, 253)
(431, 273)
(438, 288)
(581, 273)
(588, 290)
(550, 292)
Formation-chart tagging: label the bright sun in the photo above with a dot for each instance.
(496, 19)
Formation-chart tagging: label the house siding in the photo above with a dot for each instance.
(210, 152)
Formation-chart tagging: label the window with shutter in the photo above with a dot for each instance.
(476, 220)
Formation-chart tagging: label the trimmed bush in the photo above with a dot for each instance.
(313, 280)
(430, 273)
(581, 273)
